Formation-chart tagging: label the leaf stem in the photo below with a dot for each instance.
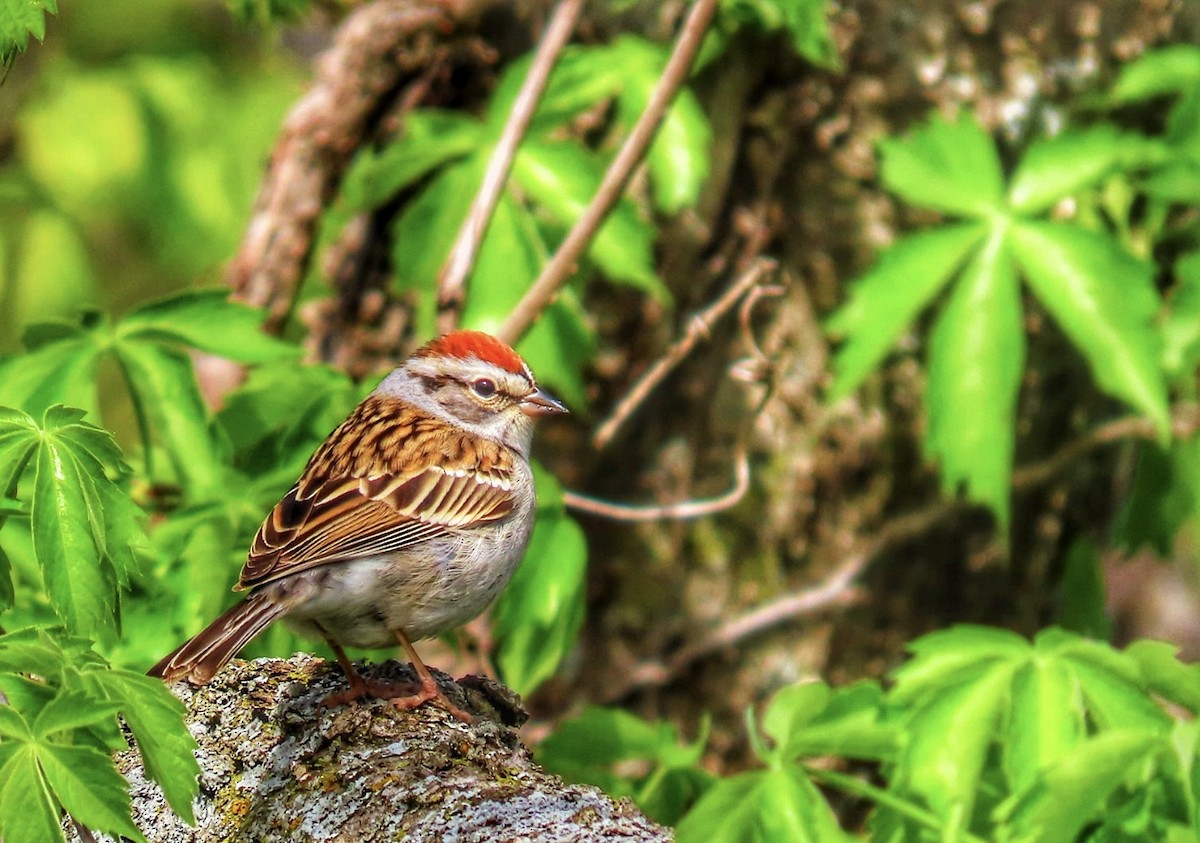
(857, 787)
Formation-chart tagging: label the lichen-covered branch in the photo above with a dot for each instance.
(279, 766)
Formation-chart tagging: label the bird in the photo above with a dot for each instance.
(406, 522)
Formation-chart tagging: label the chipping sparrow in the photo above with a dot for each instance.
(407, 521)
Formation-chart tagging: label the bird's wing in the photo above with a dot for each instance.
(329, 516)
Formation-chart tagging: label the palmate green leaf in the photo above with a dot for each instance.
(28, 811)
(1103, 299)
(1167, 70)
(431, 139)
(948, 656)
(83, 526)
(949, 167)
(156, 718)
(209, 321)
(885, 300)
(976, 356)
(562, 178)
(1071, 792)
(768, 805)
(21, 18)
(1064, 165)
(583, 76)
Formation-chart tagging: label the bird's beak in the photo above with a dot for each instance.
(542, 403)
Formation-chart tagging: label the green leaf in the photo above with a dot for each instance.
(767, 805)
(58, 373)
(976, 356)
(209, 321)
(1180, 326)
(18, 439)
(883, 302)
(431, 139)
(1164, 496)
(425, 231)
(602, 736)
(950, 656)
(66, 513)
(510, 258)
(1081, 592)
(1072, 792)
(792, 708)
(1046, 720)
(21, 18)
(1103, 298)
(1062, 166)
(948, 741)
(1165, 675)
(949, 167)
(851, 725)
(1167, 70)
(537, 618)
(583, 76)
(562, 177)
(559, 347)
(70, 710)
(678, 158)
(29, 812)
(89, 787)
(164, 388)
(156, 718)
(1113, 701)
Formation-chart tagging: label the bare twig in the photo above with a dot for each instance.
(835, 590)
(454, 274)
(838, 588)
(697, 330)
(678, 511)
(558, 270)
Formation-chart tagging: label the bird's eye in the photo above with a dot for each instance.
(484, 388)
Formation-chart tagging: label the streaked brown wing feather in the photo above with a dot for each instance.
(321, 520)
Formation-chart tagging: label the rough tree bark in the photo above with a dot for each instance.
(280, 766)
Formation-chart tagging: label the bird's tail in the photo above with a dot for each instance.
(199, 659)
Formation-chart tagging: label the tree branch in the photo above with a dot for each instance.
(453, 279)
(561, 266)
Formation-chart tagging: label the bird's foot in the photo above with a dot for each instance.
(403, 695)
(428, 691)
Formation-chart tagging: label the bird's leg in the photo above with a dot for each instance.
(429, 690)
(359, 687)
